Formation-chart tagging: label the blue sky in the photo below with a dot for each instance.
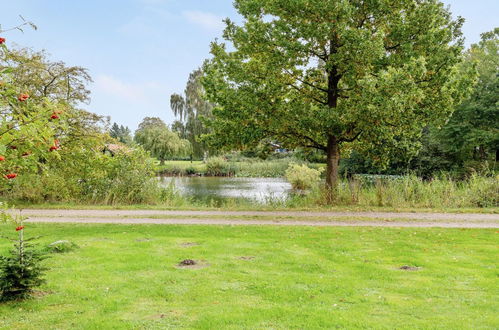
(139, 52)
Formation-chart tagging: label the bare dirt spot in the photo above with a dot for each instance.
(192, 264)
(246, 258)
(101, 239)
(40, 294)
(187, 262)
(189, 244)
(143, 239)
(410, 268)
(157, 316)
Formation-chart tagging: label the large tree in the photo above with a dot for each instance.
(191, 108)
(472, 133)
(155, 136)
(335, 75)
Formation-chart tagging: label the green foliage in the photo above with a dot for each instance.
(121, 133)
(302, 177)
(42, 78)
(411, 191)
(335, 75)
(154, 136)
(472, 133)
(261, 169)
(218, 166)
(84, 175)
(191, 109)
(467, 144)
(30, 121)
(238, 166)
(21, 271)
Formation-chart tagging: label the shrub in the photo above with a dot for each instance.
(83, 175)
(191, 170)
(302, 177)
(218, 166)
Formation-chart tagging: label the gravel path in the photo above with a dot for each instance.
(301, 214)
(237, 222)
(296, 218)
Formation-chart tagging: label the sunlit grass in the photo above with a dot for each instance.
(124, 276)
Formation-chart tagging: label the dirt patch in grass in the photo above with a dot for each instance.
(410, 268)
(192, 264)
(40, 294)
(143, 239)
(246, 258)
(189, 244)
(101, 239)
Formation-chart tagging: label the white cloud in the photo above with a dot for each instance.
(118, 88)
(205, 20)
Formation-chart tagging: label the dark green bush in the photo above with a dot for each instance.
(190, 170)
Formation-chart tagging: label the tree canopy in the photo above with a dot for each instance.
(191, 108)
(335, 75)
(155, 136)
(121, 133)
(473, 130)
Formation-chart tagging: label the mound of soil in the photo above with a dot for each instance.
(187, 262)
(192, 264)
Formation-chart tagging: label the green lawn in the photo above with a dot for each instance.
(124, 276)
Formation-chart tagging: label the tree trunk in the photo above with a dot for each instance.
(161, 162)
(333, 158)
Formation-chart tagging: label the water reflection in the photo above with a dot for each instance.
(219, 188)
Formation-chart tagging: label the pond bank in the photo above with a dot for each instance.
(244, 169)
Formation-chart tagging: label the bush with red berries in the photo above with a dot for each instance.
(29, 124)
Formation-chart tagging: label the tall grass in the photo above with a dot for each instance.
(411, 191)
(248, 167)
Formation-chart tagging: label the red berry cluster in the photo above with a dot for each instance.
(56, 146)
(23, 97)
(11, 176)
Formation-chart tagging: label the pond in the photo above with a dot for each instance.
(222, 188)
